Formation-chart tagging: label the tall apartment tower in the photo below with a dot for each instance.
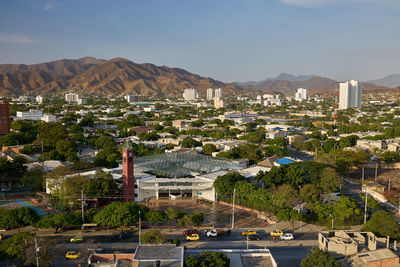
(210, 94)
(218, 93)
(190, 94)
(128, 178)
(301, 94)
(350, 95)
(4, 117)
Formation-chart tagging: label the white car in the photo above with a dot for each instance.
(286, 236)
(212, 233)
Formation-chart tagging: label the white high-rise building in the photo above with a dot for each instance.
(190, 94)
(350, 95)
(218, 93)
(210, 94)
(39, 99)
(301, 94)
(71, 98)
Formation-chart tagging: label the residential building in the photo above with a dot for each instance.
(190, 94)
(82, 101)
(33, 115)
(218, 93)
(71, 98)
(39, 99)
(135, 98)
(49, 118)
(301, 94)
(358, 248)
(210, 94)
(218, 102)
(4, 117)
(350, 95)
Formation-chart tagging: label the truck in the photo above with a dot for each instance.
(217, 232)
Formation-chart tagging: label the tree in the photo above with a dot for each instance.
(152, 237)
(208, 259)
(290, 215)
(18, 217)
(119, 214)
(347, 211)
(197, 218)
(208, 149)
(319, 258)
(225, 184)
(34, 178)
(101, 185)
(188, 142)
(185, 220)
(156, 216)
(171, 215)
(60, 221)
(330, 180)
(383, 224)
(284, 196)
(16, 245)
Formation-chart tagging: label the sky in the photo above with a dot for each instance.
(228, 40)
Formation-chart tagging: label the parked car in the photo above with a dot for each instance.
(76, 239)
(254, 237)
(286, 236)
(215, 232)
(95, 249)
(276, 232)
(249, 232)
(72, 255)
(190, 232)
(192, 237)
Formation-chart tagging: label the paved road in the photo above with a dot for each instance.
(286, 253)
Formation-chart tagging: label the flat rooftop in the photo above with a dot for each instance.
(151, 253)
(243, 257)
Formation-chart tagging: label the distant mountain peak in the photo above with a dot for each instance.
(390, 81)
(292, 78)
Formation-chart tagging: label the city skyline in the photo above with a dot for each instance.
(256, 40)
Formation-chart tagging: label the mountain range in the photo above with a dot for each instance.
(91, 76)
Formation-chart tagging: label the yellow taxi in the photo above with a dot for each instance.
(193, 237)
(77, 239)
(277, 232)
(249, 232)
(72, 255)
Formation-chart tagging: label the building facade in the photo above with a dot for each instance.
(210, 94)
(218, 93)
(190, 94)
(4, 117)
(218, 102)
(350, 95)
(301, 94)
(128, 178)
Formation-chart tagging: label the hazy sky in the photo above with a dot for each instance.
(229, 40)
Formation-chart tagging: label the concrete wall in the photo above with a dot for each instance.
(384, 263)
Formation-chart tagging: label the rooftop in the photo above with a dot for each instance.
(184, 164)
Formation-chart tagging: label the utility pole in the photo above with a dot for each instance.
(366, 203)
(140, 228)
(389, 186)
(233, 209)
(41, 141)
(247, 242)
(362, 176)
(376, 171)
(83, 207)
(36, 252)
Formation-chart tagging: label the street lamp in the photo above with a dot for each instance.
(332, 219)
(140, 227)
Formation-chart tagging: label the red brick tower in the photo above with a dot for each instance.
(4, 117)
(128, 178)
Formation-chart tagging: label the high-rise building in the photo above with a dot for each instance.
(219, 102)
(4, 117)
(128, 178)
(71, 98)
(39, 99)
(190, 94)
(210, 94)
(350, 95)
(218, 93)
(301, 94)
